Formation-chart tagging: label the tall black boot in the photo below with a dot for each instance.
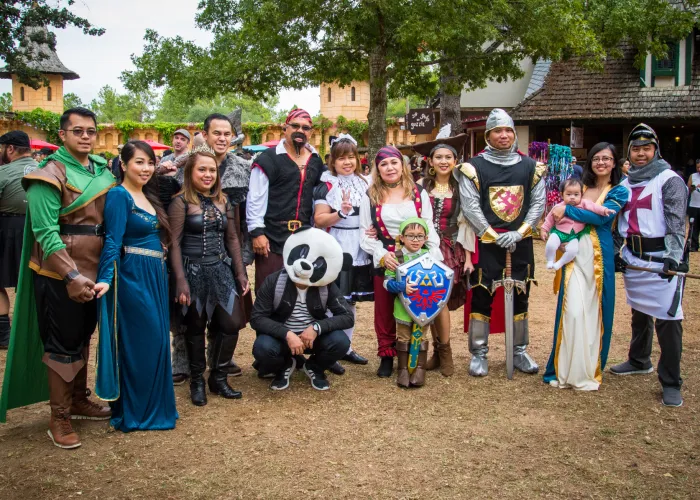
(196, 351)
(223, 350)
(231, 368)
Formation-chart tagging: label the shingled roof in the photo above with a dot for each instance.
(43, 58)
(571, 92)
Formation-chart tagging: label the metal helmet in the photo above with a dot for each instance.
(643, 134)
(498, 118)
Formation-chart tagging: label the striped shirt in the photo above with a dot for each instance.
(300, 318)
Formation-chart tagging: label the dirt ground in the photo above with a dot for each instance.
(457, 437)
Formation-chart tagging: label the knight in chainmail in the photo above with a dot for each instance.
(502, 196)
(652, 226)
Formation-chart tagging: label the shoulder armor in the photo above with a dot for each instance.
(540, 170)
(469, 171)
(53, 173)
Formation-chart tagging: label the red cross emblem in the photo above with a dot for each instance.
(633, 206)
(510, 202)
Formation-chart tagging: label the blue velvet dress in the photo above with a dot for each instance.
(133, 362)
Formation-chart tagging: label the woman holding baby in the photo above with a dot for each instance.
(586, 285)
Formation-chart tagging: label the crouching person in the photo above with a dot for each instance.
(299, 310)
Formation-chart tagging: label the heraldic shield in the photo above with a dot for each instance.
(433, 282)
(506, 201)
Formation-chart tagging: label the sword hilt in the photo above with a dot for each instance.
(508, 265)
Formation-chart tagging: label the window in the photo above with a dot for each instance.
(329, 94)
(352, 94)
(666, 66)
(21, 93)
(48, 93)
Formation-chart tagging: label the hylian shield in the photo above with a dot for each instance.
(433, 283)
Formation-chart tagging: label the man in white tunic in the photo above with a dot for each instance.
(653, 226)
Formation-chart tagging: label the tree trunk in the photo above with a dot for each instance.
(377, 102)
(450, 109)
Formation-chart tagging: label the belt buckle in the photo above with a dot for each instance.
(293, 225)
(637, 244)
(99, 230)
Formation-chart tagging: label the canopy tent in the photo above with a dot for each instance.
(271, 144)
(255, 149)
(156, 145)
(39, 144)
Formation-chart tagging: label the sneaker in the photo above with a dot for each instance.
(318, 378)
(672, 397)
(628, 368)
(281, 381)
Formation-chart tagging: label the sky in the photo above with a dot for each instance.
(100, 60)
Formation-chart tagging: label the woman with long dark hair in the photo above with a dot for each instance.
(133, 367)
(209, 273)
(586, 286)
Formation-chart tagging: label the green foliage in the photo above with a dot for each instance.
(402, 48)
(44, 120)
(70, 100)
(19, 20)
(110, 107)
(396, 108)
(177, 107)
(6, 102)
(254, 131)
(322, 124)
(127, 127)
(355, 128)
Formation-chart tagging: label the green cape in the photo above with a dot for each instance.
(26, 379)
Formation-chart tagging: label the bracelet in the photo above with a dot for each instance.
(342, 215)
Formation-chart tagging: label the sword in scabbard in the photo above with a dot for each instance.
(509, 285)
(659, 271)
(680, 285)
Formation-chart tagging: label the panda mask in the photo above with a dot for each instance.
(312, 257)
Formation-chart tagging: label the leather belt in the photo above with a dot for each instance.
(207, 259)
(82, 229)
(292, 225)
(640, 245)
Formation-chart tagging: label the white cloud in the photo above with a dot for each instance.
(100, 60)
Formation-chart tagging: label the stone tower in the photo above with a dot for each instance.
(50, 98)
(351, 101)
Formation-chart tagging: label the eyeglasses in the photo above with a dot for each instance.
(414, 237)
(602, 159)
(78, 132)
(297, 126)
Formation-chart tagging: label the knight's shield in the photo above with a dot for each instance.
(433, 283)
(506, 201)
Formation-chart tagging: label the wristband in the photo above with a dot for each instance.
(71, 276)
(342, 215)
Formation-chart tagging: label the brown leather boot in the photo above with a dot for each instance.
(447, 366)
(418, 375)
(60, 429)
(402, 379)
(82, 408)
(434, 361)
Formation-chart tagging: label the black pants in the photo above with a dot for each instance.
(694, 213)
(272, 354)
(670, 335)
(482, 301)
(220, 322)
(65, 326)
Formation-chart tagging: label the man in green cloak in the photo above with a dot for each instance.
(55, 312)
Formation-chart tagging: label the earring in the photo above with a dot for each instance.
(431, 171)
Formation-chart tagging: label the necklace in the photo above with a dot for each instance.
(393, 184)
(441, 188)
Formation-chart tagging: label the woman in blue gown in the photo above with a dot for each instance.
(586, 286)
(133, 364)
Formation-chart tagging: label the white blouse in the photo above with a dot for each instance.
(393, 214)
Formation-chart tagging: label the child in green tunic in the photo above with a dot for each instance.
(413, 237)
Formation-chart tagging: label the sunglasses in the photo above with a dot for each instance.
(297, 126)
(79, 132)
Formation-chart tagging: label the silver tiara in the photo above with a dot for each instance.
(344, 137)
(204, 148)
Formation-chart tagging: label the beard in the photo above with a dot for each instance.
(298, 145)
(5, 159)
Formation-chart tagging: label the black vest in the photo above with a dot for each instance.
(288, 199)
(500, 205)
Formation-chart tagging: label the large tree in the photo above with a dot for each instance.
(110, 106)
(261, 46)
(17, 17)
(175, 107)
